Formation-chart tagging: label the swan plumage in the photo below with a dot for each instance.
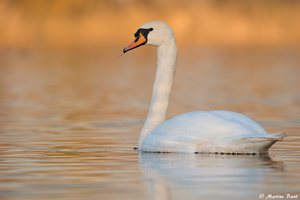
(200, 131)
(209, 131)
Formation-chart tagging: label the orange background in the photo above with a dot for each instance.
(98, 23)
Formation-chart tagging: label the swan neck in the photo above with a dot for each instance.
(166, 64)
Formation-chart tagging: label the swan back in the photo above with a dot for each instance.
(210, 131)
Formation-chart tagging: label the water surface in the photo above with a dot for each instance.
(69, 122)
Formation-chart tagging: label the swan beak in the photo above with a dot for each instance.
(139, 41)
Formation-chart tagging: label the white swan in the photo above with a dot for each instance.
(195, 132)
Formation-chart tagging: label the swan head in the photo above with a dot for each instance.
(153, 33)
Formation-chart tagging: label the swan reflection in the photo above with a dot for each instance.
(197, 176)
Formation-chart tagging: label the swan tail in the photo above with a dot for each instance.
(262, 143)
(270, 137)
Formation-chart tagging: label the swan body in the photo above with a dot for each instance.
(209, 131)
(194, 132)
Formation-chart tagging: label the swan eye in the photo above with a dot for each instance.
(144, 31)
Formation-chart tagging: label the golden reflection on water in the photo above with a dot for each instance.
(69, 121)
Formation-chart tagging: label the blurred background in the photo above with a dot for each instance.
(71, 109)
(95, 23)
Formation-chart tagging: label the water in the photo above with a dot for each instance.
(69, 122)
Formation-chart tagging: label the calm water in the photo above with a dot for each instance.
(69, 122)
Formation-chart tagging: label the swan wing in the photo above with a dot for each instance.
(208, 131)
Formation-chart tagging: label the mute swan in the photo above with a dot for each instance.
(194, 132)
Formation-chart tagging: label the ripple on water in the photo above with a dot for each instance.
(68, 133)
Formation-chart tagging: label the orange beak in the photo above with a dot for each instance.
(139, 41)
